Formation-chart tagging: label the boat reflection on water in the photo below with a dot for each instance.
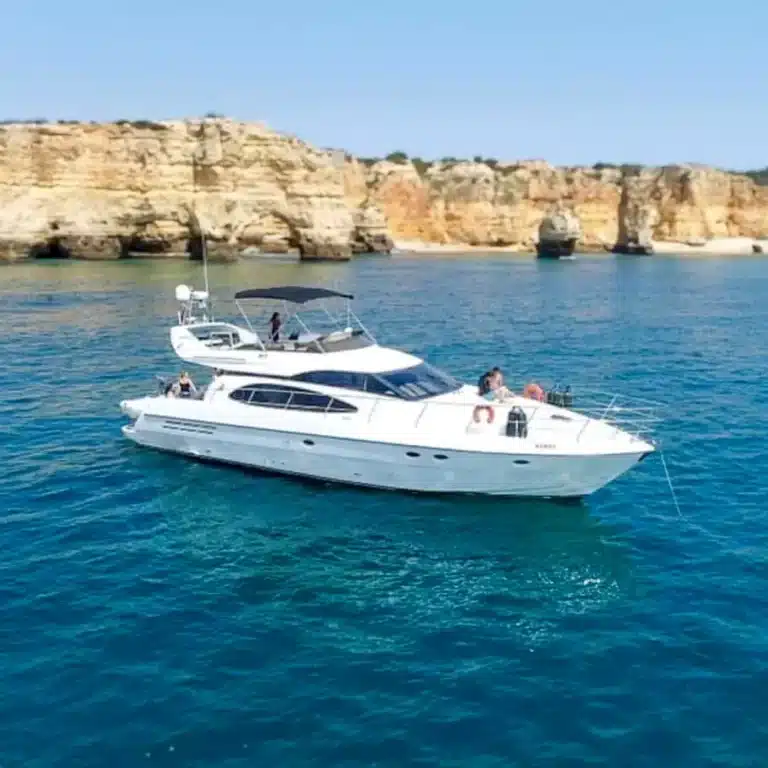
(368, 570)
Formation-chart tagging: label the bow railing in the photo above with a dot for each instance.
(636, 416)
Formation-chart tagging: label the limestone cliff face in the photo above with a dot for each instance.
(127, 189)
(684, 203)
(111, 190)
(474, 203)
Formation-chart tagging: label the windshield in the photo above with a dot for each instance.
(419, 382)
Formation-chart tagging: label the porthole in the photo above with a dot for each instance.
(440, 456)
(413, 454)
(521, 461)
(309, 442)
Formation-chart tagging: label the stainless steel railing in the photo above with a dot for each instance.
(635, 416)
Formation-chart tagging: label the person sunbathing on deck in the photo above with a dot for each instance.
(491, 388)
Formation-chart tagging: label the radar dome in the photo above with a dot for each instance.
(183, 293)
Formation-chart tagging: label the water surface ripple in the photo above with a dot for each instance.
(157, 612)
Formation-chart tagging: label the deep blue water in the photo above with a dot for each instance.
(158, 612)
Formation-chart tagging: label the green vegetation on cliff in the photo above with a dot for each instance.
(627, 169)
(759, 177)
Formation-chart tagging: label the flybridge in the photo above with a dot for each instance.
(317, 329)
(325, 331)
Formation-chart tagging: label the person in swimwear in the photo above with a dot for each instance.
(501, 391)
(491, 388)
(184, 387)
(274, 327)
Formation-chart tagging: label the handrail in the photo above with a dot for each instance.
(351, 320)
(589, 408)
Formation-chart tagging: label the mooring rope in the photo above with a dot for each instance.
(669, 483)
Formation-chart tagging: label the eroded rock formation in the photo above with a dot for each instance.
(152, 189)
(559, 232)
(504, 204)
(146, 189)
(474, 203)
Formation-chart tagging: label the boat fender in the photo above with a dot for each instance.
(517, 423)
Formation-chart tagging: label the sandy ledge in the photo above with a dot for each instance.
(723, 246)
(420, 246)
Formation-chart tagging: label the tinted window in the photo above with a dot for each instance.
(361, 382)
(419, 382)
(272, 395)
(378, 387)
(309, 401)
(292, 398)
(344, 379)
(339, 406)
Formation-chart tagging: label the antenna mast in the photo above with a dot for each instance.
(204, 245)
(203, 239)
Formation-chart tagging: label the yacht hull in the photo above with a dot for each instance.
(383, 465)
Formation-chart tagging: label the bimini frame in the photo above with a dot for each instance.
(295, 295)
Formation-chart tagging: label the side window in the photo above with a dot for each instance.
(269, 395)
(339, 406)
(343, 379)
(361, 382)
(315, 401)
(377, 387)
(308, 401)
(292, 398)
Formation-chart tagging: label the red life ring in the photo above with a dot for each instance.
(489, 408)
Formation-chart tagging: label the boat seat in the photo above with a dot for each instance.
(337, 336)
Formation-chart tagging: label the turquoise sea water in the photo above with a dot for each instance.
(158, 612)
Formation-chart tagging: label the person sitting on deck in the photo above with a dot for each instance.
(184, 387)
(500, 390)
(486, 388)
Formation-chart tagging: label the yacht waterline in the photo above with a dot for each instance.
(339, 407)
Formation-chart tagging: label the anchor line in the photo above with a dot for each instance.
(669, 483)
(691, 523)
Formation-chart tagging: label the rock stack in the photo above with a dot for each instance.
(559, 232)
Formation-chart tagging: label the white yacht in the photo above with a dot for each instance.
(335, 405)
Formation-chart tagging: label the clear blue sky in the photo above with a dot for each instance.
(573, 82)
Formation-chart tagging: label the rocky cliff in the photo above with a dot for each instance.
(481, 203)
(140, 188)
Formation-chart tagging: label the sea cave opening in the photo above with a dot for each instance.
(51, 249)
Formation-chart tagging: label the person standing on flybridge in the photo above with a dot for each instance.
(274, 327)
